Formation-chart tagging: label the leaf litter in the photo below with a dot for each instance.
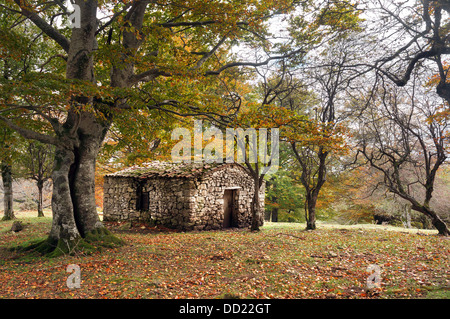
(291, 263)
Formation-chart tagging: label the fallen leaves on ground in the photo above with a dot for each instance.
(277, 262)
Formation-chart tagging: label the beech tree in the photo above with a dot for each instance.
(118, 57)
(404, 137)
(252, 146)
(323, 137)
(410, 35)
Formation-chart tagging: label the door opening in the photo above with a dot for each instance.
(228, 207)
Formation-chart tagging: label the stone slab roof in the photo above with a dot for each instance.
(169, 170)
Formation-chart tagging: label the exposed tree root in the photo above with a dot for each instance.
(93, 241)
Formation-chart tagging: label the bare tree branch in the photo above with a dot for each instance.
(43, 25)
(254, 64)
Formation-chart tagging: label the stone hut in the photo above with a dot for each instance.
(185, 196)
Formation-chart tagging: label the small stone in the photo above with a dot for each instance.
(332, 254)
(17, 226)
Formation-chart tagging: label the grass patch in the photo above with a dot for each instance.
(441, 292)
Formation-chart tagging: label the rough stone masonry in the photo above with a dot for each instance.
(185, 196)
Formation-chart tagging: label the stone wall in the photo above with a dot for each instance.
(186, 204)
(170, 202)
(209, 200)
(119, 199)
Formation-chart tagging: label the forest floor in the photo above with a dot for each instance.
(281, 261)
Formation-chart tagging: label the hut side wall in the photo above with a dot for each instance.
(119, 199)
(170, 202)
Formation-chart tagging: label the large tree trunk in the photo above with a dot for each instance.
(8, 212)
(91, 135)
(73, 202)
(75, 216)
(312, 185)
(64, 233)
(440, 225)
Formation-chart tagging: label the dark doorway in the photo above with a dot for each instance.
(142, 199)
(228, 207)
(145, 201)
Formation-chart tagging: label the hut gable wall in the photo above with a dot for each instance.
(209, 202)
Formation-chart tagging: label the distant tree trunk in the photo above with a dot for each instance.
(8, 212)
(40, 186)
(256, 207)
(37, 165)
(312, 181)
(426, 223)
(310, 212)
(408, 216)
(274, 214)
(274, 211)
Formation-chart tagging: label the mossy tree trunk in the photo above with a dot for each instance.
(75, 217)
(64, 227)
(82, 185)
